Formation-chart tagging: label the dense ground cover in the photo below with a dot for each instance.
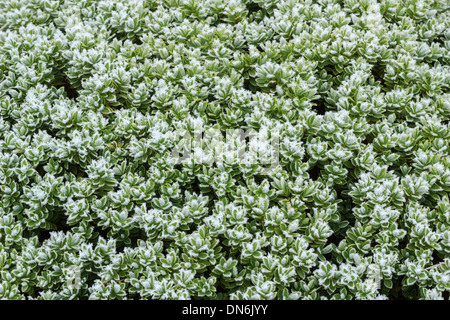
(94, 94)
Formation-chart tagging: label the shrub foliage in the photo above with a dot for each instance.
(93, 205)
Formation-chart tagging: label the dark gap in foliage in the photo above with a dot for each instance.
(120, 246)
(396, 293)
(436, 258)
(195, 186)
(43, 234)
(58, 221)
(220, 289)
(248, 86)
(40, 170)
(69, 89)
(400, 292)
(62, 224)
(210, 97)
(334, 239)
(336, 76)
(345, 208)
(320, 107)
(52, 132)
(253, 8)
(377, 74)
(75, 169)
(137, 41)
(314, 172)
(368, 139)
(137, 234)
(99, 231)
